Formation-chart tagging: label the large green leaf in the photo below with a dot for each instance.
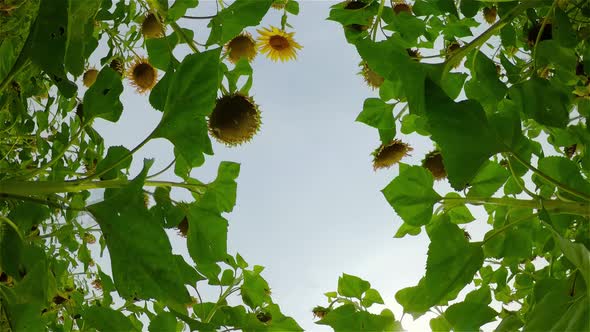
(377, 114)
(141, 255)
(565, 172)
(160, 49)
(539, 100)
(558, 308)
(412, 196)
(107, 319)
(255, 290)
(190, 97)
(451, 264)
(102, 98)
(488, 180)
(230, 21)
(484, 86)
(163, 322)
(80, 39)
(47, 43)
(352, 286)
(577, 254)
(111, 162)
(462, 131)
(346, 318)
(179, 8)
(207, 233)
(469, 316)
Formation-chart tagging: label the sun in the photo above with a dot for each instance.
(278, 44)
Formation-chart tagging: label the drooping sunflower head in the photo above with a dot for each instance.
(535, 31)
(277, 44)
(414, 53)
(182, 227)
(490, 14)
(89, 77)
(401, 7)
(234, 120)
(118, 65)
(242, 46)
(320, 312)
(279, 4)
(372, 79)
(152, 27)
(434, 163)
(143, 75)
(390, 154)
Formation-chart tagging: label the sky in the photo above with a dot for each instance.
(309, 206)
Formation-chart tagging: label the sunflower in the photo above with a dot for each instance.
(279, 4)
(401, 6)
(242, 46)
(90, 77)
(277, 44)
(143, 75)
(372, 79)
(234, 120)
(390, 154)
(152, 27)
(182, 227)
(118, 65)
(490, 14)
(434, 163)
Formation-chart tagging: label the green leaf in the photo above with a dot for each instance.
(352, 286)
(408, 26)
(577, 254)
(48, 41)
(469, 316)
(255, 290)
(114, 154)
(207, 233)
(488, 180)
(163, 322)
(361, 16)
(451, 264)
(371, 297)
(179, 8)
(107, 319)
(556, 310)
(80, 39)
(411, 195)
(292, 7)
(102, 98)
(160, 49)
(377, 114)
(160, 91)
(463, 134)
(405, 229)
(565, 172)
(537, 99)
(191, 97)
(434, 7)
(230, 21)
(346, 318)
(141, 255)
(279, 321)
(484, 86)
(440, 324)
(399, 68)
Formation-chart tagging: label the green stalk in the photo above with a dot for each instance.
(463, 51)
(554, 206)
(184, 37)
(229, 290)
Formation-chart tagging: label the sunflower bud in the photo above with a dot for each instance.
(90, 77)
(390, 154)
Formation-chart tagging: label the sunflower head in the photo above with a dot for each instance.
(152, 27)
(320, 312)
(390, 154)
(570, 150)
(279, 4)
(434, 163)
(182, 227)
(414, 53)
(89, 77)
(372, 79)
(234, 120)
(143, 75)
(401, 7)
(118, 65)
(242, 46)
(490, 14)
(277, 44)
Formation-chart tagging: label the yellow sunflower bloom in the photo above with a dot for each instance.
(277, 44)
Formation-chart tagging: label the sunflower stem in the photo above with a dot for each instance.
(184, 37)
(555, 206)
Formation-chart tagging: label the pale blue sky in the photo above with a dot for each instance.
(309, 205)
